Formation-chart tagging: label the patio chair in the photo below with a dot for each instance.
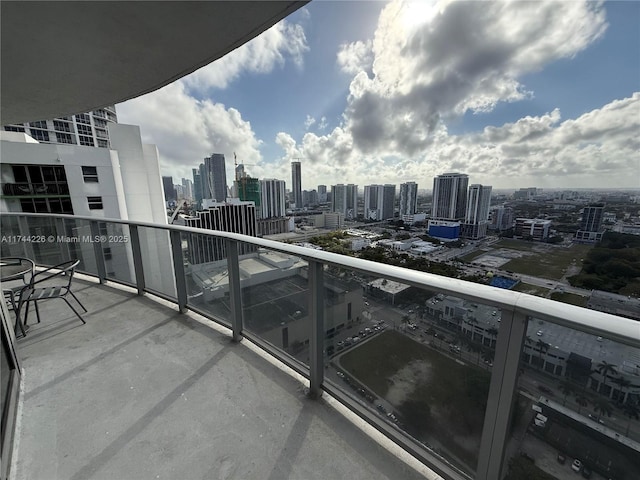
(50, 283)
(26, 269)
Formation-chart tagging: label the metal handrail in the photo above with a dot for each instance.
(597, 323)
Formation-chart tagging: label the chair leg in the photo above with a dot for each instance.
(74, 310)
(19, 323)
(35, 303)
(26, 312)
(79, 303)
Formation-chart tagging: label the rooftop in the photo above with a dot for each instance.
(142, 391)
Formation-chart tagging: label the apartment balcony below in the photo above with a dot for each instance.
(143, 391)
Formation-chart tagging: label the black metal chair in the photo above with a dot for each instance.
(26, 269)
(58, 285)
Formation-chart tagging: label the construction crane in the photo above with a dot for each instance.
(235, 163)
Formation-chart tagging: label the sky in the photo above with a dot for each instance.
(513, 93)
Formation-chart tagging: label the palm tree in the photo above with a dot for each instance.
(566, 387)
(623, 384)
(582, 401)
(604, 368)
(602, 407)
(493, 333)
(633, 412)
(542, 345)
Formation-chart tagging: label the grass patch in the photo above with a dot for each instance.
(513, 244)
(447, 403)
(552, 264)
(531, 289)
(570, 298)
(473, 255)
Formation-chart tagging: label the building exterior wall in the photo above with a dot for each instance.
(272, 198)
(449, 196)
(344, 199)
(408, 198)
(296, 183)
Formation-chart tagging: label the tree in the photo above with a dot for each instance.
(623, 384)
(582, 401)
(602, 407)
(604, 368)
(633, 412)
(542, 346)
(493, 333)
(566, 387)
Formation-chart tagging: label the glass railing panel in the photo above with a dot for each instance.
(577, 404)
(115, 243)
(276, 300)
(422, 361)
(206, 275)
(157, 261)
(11, 246)
(77, 243)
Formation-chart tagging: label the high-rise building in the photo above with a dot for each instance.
(87, 129)
(449, 197)
(248, 189)
(344, 199)
(197, 186)
(187, 186)
(309, 198)
(476, 219)
(591, 230)
(379, 201)
(213, 177)
(408, 198)
(169, 189)
(322, 193)
(272, 198)
(232, 216)
(501, 218)
(296, 184)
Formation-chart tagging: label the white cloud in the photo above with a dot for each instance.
(355, 57)
(186, 130)
(309, 121)
(284, 41)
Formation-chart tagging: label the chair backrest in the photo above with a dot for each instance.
(62, 269)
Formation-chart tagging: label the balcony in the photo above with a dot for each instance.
(48, 189)
(204, 370)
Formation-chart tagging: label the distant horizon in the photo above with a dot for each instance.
(515, 94)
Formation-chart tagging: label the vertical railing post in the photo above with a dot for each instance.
(178, 268)
(504, 379)
(137, 258)
(316, 312)
(98, 252)
(235, 290)
(27, 247)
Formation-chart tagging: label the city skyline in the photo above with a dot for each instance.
(376, 97)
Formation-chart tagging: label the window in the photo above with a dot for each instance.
(83, 118)
(12, 128)
(40, 135)
(85, 130)
(86, 141)
(62, 126)
(106, 251)
(90, 174)
(103, 143)
(65, 138)
(95, 203)
(41, 124)
(100, 123)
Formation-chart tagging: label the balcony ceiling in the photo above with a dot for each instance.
(60, 58)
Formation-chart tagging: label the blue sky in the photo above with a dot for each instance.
(515, 94)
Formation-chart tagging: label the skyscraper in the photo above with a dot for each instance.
(591, 230)
(272, 198)
(379, 201)
(169, 189)
(296, 184)
(214, 177)
(197, 186)
(408, 198)
(476, 219)
(344, 199)
(450, 196)
(322, 193)
(233, 216)
(87, 129)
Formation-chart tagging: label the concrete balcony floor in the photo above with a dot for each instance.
(143, 392)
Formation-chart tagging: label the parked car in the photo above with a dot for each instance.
(561, 458)
(576, 466)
